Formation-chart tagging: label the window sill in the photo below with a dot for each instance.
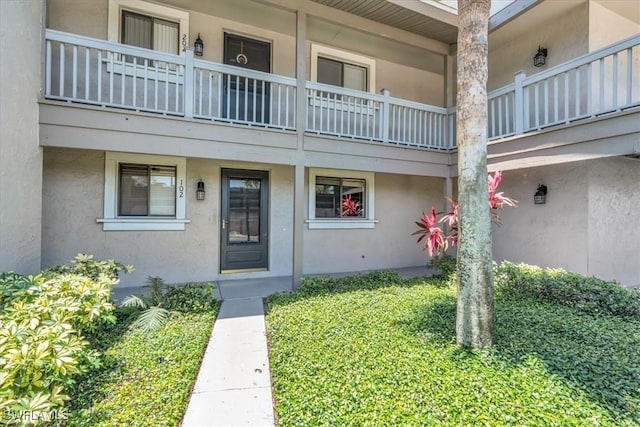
(340, 224)
(142, 224)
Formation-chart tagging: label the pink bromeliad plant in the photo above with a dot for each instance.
(350, 207)
(436, 240)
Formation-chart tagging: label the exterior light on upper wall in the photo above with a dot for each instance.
(540, 58)
(198, 48)
(200, 191)
(540, 198)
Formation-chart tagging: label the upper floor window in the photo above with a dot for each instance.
(338, 73)
(149, 32)
(147, 25)
(340, 68)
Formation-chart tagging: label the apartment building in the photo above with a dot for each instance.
(231, 139)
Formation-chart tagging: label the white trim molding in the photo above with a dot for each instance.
(112, 222)
(369, 221)
(343, 56)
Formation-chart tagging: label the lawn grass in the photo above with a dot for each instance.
(386, 355)
(147, 375)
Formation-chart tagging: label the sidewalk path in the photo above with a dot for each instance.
(233, 387)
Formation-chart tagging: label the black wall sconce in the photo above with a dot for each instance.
(540, 198)
(200, 191)
(540, 58)
(198, 48)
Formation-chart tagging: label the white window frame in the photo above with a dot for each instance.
(113, 222)
(368, 221)
(145, 8)
(343, 56)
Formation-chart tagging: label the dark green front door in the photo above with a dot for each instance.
(244, 220)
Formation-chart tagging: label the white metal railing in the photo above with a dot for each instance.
(91, 71)
(238, 95)
(375, 117)
(344, 112)
(501, 112)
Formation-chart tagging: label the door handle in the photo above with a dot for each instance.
(224, 223)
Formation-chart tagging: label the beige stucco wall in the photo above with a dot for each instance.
(606, 26)
(511, 49)
(21, 24)
(87, 18)
(588, 225)
(73, 200)
(399, 202)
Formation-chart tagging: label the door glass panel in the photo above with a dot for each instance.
(244, 211)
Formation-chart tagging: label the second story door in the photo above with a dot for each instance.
(246, 99)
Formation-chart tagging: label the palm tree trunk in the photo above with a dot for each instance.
(475, 321)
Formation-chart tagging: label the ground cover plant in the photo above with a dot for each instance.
(377, 350)
(147, 373)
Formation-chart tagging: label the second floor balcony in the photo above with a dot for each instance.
(85, 70)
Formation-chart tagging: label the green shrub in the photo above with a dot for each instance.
(85, 265)
(162, 299)
(191, 298)
(445, 264)
(41, 336)
(589, 294)
(319, 285)
(44, 320)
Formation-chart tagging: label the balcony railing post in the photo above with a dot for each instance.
(188, 88)
(386, 113)
(518, 101)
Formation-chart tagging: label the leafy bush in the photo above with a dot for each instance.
(162, 299)
(43, 320)
(387, 355)
(191, 298)
(318, 285)
(446, 264)
(589, 294)
(85, 265)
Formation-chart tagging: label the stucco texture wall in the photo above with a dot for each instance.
(21, 24)
(73, 200)
(399, 202)
(589, 223)
(511, 49)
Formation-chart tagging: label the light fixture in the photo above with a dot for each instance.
(198, 49)
(540, 58)
(540, 198)
(200, 191)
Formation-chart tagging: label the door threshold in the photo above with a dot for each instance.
(244, 270)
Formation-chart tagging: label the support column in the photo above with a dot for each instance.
(299, 168)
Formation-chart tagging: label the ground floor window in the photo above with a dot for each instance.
(341, 199)
(147, 190)
(144, 192)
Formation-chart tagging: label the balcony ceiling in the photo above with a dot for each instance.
(399, 14)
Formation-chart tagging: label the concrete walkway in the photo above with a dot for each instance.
(233, 387)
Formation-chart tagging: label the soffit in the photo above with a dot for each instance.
(394, 15)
